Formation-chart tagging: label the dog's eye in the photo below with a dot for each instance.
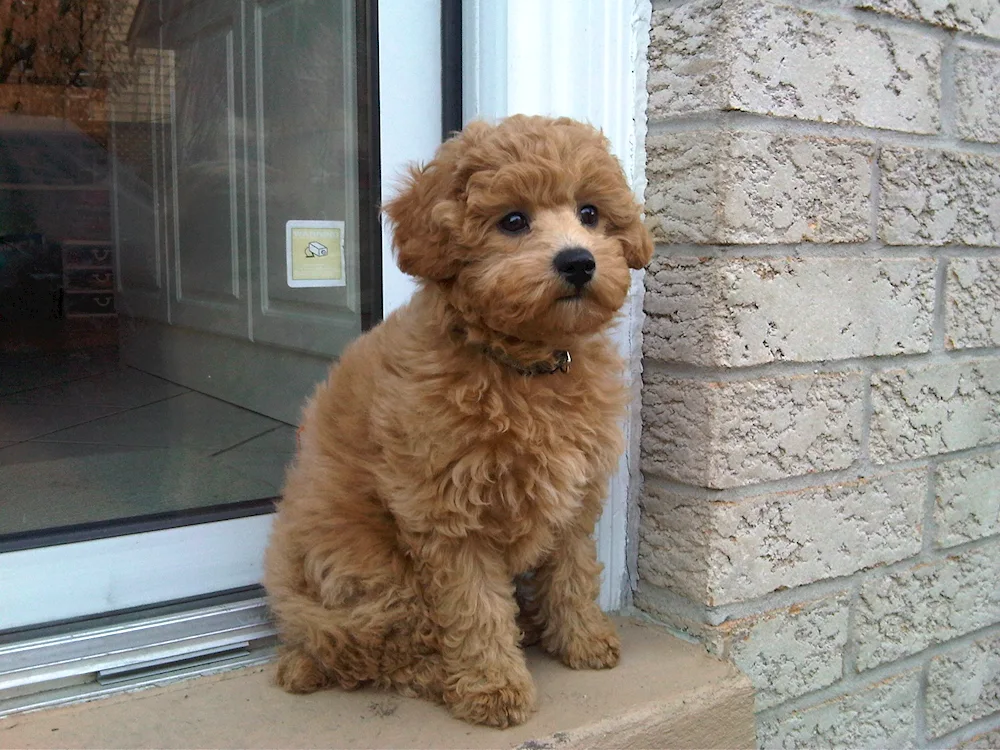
(588, 216)
(514, 223)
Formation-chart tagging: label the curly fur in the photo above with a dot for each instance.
(431, 477)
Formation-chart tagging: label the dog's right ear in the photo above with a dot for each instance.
(425, 216)
(427, 213)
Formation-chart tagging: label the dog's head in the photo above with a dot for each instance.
(528, 226)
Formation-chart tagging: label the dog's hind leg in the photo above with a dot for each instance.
(318, 648)
(340, 592)
(298, 672)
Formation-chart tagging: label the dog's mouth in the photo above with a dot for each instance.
(577, 294)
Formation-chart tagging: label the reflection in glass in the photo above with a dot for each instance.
(153, 358)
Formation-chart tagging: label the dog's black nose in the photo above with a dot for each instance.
(576, 265)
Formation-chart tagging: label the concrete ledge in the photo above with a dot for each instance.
(665, 694)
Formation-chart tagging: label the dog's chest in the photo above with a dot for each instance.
(514, 459)
(543, 460)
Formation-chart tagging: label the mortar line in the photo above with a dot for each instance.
(819, 480)
(779, 368)
(930, 504)
(679, 604)
(833, 6)
(850, 652)
(639, 614)
(969, 731)
(867, 411)
(732, 121)
(845, 688)
(870, 250)
(920, 705)
(875, 192)
(870, 678)
(947, 108)
(853, 473)
(983, 43)
(938, 342)
(920, 27)
(820, 589)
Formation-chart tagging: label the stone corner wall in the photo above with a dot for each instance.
(821, 387)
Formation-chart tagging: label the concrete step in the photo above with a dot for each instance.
(666, 693)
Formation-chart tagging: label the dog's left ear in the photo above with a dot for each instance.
(637, 245)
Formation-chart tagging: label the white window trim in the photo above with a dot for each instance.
(582, 59)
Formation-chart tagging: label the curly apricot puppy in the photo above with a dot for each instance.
(468, 439)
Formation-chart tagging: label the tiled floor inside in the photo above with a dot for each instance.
(84, 439)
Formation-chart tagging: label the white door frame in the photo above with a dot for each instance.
(570, 57)
(583, 59)
(81, 579)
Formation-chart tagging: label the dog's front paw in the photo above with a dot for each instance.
(595, 647)
(595, 652)
(493, 700)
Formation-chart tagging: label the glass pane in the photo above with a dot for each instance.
(180, 250)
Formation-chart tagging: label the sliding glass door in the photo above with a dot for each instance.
(191, 232)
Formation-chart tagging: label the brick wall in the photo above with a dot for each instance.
(821, 388)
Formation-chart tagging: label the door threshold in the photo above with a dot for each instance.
(155, 650)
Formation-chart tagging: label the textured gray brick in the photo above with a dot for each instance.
(790, 62)
(972, 307)
(934, 197)
(963, 685)
(687, 72)
(977, 93)
(770, 58)
(903, 613)
(974, 16)
(746, 311)
(879, 716)
(717, 186)
(722, 552)
(935, 409)
(791, 651)
(727, 434)
(683, 190)
(968, 499)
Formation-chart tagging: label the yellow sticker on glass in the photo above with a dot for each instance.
(315, 253)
